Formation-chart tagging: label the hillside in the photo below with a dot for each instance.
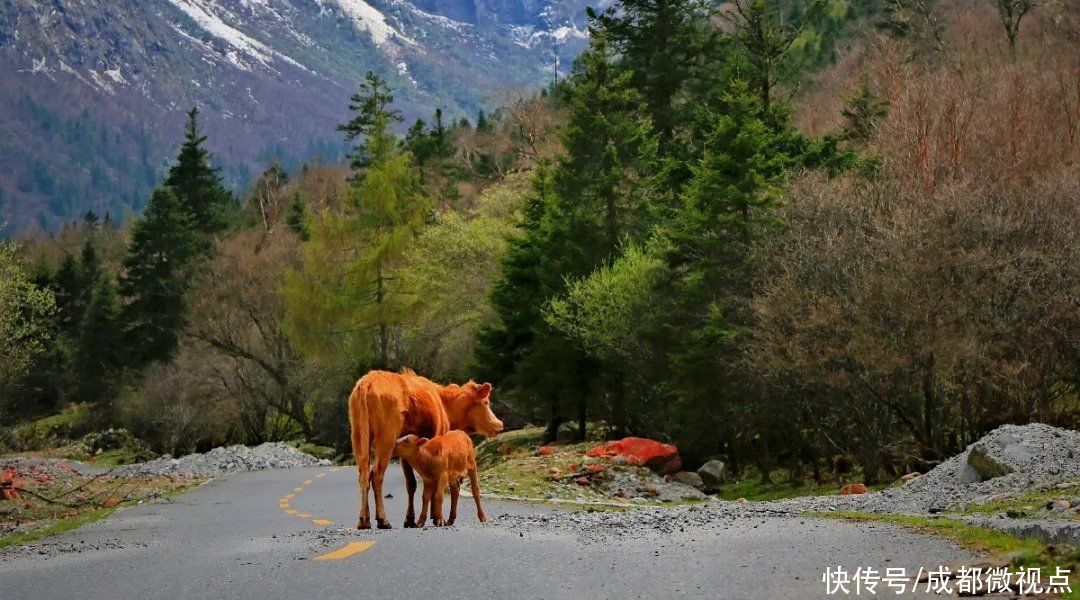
(95, 90)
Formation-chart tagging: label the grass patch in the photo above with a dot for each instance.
(59, 526)
(1022, 506)
(1019, 552)
(753, 488)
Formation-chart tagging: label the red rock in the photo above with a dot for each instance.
(853, 489)
(653, 491)
(909, 476)
(68, 514)
(571, 467)
(660, 457)
(545, 451)
(110, 502)
(9, 494)
(583, 481)
(594, 469)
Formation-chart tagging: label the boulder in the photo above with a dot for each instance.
(688, 478)
(661, 458)
(545, 451)
(985, 464)
(712, 473)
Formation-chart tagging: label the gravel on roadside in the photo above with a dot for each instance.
(226, 459)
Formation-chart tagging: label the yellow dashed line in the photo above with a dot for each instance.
(320, 476)
(323, 522)
(334, 469)
(304, 515)
(349, 549)
(298, 489)
(307, 482)
(291, 511)
(287, 496)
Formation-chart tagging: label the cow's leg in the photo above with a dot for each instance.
(361, 442)
(425, 501)
(474, 482)
(455, 489)
(384, 449)
(410, 491)
(437, 501)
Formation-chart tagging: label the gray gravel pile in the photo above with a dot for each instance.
(1033, 457)
(227, 459)
(1037, 457)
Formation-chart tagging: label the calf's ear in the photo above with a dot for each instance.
(422, 441)
(484, 389)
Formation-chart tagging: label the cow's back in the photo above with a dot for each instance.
(403, 404)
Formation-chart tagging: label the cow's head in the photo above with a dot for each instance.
(408, 446)
(469, 409)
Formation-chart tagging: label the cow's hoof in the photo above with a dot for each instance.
(383, 524)
(364, 523)
(450, 523)
(482, 517)
(410, 522)
(438, 522)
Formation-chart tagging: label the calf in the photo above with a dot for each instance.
(442, 460)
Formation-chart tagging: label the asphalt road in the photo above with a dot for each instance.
(242, 537)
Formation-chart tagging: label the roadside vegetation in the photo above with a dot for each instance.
(1002, 549)
(818, 241)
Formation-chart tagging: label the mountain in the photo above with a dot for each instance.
(95, 90)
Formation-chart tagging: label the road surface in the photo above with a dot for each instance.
(258, 535)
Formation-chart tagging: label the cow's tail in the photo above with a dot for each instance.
(360, 424)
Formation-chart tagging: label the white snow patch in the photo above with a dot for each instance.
(200, 12)
(366, 17)
(116, 75)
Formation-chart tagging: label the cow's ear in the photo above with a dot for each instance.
(484, 389)
(422, 441)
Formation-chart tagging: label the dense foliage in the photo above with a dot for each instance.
(770, 232)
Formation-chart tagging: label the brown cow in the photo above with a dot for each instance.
(442, 460)
(384, 406)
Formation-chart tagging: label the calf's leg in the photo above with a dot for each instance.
(474, 483)
(425, 501)
(437, 500)
(455, 489)
(410, 489)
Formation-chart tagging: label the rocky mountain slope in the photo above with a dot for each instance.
(94, 90)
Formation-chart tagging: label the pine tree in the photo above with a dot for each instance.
(67, 286)
(345, 301)
(166, 246)
(196, 184)
(372, 123)
(297, 219)
(584, 208)
(862, 113)
(98, 359)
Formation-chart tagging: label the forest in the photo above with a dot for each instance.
(768, 231)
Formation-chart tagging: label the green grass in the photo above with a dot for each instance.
(59, 526)
(1018, 551)
(752, 488)
(1027, 503)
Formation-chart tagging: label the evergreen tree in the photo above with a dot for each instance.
(372, 123)
(663, 44)
(68, 289)
(98, 356)
(584, 207)
(345, 302)
(166, 245)
(197, 185)
(862, 113)
(297, 219)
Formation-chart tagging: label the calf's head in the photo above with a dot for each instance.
(408, 446)
(469, 409)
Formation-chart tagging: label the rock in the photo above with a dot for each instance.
(741, 500)
(594, 469)
(712, 473)
(661, 458)
(545, 451)
(638, 500)
(853, 489)
(909, 476)
(583, 481)
(1061, 505)
(1075, 502)
(689, 478)
(986, 465)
